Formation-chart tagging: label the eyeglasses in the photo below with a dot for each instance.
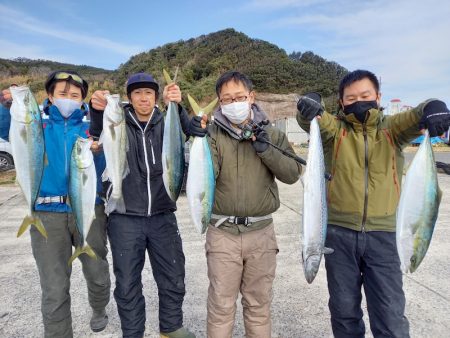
(66, 76)
(229, 100)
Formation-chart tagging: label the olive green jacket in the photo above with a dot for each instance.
(366, 164)
(245, 180)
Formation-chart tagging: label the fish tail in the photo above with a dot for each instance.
(327, 251)
(32, 220)
(117, 204)
(82, 250)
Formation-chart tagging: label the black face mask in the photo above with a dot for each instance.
(359, 109)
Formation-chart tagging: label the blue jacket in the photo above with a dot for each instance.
(5, 121)
(60, 135)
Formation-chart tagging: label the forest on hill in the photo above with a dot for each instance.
(200, 60)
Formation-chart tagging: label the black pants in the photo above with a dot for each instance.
(130, 237)
(368, 259)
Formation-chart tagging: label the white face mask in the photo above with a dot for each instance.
(66, 106)
(236, 112)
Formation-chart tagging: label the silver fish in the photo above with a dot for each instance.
(82, 193)
(115, 146)
(28, 149)
(418, 208)
(172, 150)
(200, 183)
(314, 225)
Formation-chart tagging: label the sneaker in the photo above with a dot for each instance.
(99, 320)
(180, 333)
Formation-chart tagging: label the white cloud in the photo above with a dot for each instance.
(12, 18)
(404, 42)
(10, 50)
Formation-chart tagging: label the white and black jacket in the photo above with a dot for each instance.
(144, 160)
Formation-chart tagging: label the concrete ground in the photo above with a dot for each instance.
(299, 309)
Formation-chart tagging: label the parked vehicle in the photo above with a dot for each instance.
(6, 158)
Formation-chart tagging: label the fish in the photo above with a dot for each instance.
(172, 149)
(315, 214)
(418, 208)
(200, 184)
(28, 149)
(114, 140)
(82, 193)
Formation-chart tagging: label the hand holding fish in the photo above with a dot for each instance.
(98, 99)
(310, 105)
(95, 146)
(171, 93)
(197, 126)
(5, 96)
(435, 118)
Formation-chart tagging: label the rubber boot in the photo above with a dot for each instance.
(99, 320)
(180, 333)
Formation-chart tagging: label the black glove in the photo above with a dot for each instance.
(195, 127)
(260, 144)
(435, 118)
(310, 105)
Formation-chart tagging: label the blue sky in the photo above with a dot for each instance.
(406, 43)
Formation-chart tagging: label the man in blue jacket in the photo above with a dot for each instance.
(65, 109)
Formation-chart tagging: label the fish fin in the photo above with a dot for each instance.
(115, 204)
(439, 195)
(113, 132)
(126, 169)
(85, 178)
(167, 77)
(105, 175)
(82, 250)
(100, 139)
(32, 220)
(23, 134)
(327, 251)
(45, 159)
(127, 145)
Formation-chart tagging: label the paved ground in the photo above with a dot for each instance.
(299, 309)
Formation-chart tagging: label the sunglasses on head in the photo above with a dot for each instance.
(66, 76)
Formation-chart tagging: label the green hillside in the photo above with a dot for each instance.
(200, 60)
(34, 73)
(203, 59)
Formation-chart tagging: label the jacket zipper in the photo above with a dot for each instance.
(149, 193)
(153, 153)
(66, 169)
(366, 178)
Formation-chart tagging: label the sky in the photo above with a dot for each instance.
(406, 43)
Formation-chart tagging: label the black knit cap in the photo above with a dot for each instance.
(141, 80)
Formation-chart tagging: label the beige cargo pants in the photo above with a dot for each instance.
(244, 263)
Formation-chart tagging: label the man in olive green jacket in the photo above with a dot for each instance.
(240, 245)
(363, 152)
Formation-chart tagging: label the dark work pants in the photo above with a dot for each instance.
(130, 237)
(52, 256)
(368, 259)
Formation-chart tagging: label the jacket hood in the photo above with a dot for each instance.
(220, 119)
